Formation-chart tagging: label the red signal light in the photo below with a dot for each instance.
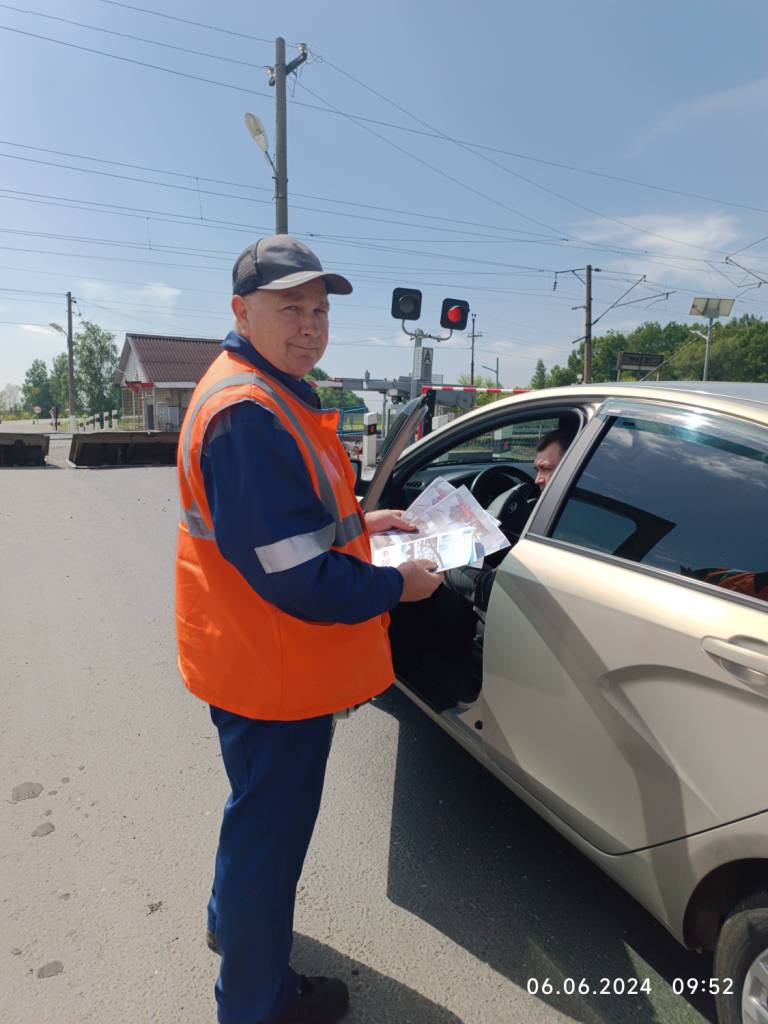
(453, 314)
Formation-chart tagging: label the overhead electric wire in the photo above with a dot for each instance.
(385, 124)
(139, 63)
(475, 146)
(432, 167)
(196, 190)
(208, 81)
(750, 246)
(137, 39)
(508, 170)
(186, 21)
(367, 272)
(263, 188)
(162, 216)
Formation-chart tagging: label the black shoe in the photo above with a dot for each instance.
(322, 1001)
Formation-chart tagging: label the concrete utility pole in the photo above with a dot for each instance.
(71, 366)
(475, 334)
(588, 327)
(278, 78)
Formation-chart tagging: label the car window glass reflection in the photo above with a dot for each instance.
(689, 498)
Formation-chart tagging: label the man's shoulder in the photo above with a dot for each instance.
(242, 417)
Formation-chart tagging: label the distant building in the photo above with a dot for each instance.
(157, 375)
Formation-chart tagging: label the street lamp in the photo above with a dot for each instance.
(712, 309)
(494, 369)
(259, 136)
(258, 133)
(70, 364)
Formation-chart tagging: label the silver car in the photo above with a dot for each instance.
(620, 683)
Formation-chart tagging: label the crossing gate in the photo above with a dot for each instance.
(124, 448)
(22, 449)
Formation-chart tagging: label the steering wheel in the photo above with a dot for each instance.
(485, 477)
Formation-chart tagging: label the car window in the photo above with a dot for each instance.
(516, 442)
(688, 494)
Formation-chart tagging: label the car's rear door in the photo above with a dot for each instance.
(626, 660)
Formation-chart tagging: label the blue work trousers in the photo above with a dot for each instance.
(276, 771)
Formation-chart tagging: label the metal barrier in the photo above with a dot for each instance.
(124, 448)
(23, 449)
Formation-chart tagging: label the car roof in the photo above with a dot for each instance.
(737, 398)
(742, 390)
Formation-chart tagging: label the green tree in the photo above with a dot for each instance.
(739, 352)
(482, 382)
(36, 389)
(334, 398)
(10, 399)
(648, 337)
(96, 358)
(539, 378)
(59, 381)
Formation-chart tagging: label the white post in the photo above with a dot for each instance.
(369, 439)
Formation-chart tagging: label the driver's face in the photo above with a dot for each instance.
(546, 463)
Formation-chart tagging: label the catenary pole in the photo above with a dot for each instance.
(588, 327)
(475, 334)
(71, 366)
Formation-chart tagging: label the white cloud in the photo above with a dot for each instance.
(707, 131)
(154, 294)
(741, 101)
(680, 241)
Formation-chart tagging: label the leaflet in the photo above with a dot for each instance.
(460, 509)
(453, 530)
(448, 550)
(436, 491)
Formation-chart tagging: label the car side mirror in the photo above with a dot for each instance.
(358, 467)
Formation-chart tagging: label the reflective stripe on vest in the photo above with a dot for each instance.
(282, 554)
(293, 551)
(196, 525)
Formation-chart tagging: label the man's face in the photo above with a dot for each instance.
(289, 328)
(546, 462)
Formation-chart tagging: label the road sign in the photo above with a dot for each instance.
(638, 361)
(36, 409)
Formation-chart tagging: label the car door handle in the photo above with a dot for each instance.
(727, 653)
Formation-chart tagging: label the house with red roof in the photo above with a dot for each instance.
(157, 375)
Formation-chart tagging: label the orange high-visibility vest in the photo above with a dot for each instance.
(236, 650)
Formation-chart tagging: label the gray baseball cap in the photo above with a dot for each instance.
(279, 262)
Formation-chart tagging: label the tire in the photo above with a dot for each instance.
(742, 954)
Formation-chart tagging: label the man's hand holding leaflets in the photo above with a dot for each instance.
(453, 529)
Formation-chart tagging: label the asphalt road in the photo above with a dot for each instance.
(39, 426)
(430, 889)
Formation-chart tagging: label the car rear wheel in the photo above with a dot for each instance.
(742, 954)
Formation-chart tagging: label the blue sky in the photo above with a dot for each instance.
(673, 95)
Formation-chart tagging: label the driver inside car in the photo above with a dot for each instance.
(453, 669)
(474, 584)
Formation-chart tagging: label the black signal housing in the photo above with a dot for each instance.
(406, 303)
(454, 314)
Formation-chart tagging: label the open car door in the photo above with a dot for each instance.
(402, 432)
